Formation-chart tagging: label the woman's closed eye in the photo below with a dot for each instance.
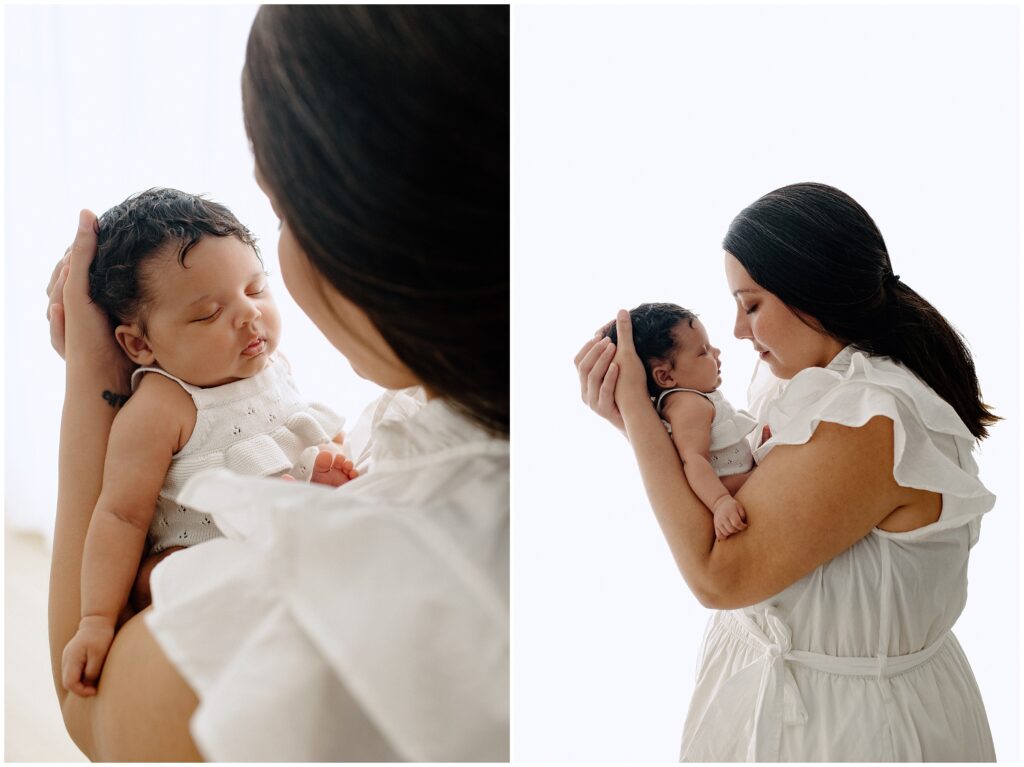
(751, 309)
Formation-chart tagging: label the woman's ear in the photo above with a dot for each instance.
(134, 343)
(662, 374)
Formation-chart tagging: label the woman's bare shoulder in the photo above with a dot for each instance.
(142, 708)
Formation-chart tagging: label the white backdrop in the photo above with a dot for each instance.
(102, 102)
(639, 134)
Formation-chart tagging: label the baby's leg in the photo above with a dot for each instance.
(141, 596)
(734, 482)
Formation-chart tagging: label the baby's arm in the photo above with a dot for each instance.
(143, 438)
(691, 416)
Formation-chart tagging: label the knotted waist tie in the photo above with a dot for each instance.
(778, 698)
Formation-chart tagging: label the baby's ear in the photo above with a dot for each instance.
(662, 374)
(134, 344)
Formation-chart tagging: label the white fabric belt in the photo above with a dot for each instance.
(778, 698)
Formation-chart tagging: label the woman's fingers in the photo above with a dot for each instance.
(592, 390)
(588, 368)
(606, 395)
(83, 250)
(55, 311)
(56, 273)
(624, 330)
(57, 328)
(584, 349)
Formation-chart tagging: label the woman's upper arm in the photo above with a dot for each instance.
(142, 708)
(805, 505)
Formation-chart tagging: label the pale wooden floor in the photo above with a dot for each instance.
(33, 729)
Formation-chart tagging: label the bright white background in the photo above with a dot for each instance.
(639, 134)
(102, 102)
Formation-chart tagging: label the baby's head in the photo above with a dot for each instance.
(184, 286)
(674, 347)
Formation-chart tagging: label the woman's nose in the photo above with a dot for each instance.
(742, 328)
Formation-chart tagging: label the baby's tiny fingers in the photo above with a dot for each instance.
(93, 664)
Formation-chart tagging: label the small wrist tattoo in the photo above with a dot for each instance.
(115, 400)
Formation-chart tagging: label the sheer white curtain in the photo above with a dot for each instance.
(102, 102)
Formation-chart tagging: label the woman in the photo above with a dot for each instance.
(370, 624)
(832, 638)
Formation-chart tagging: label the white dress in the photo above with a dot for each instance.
(363, 623)
(856, 661)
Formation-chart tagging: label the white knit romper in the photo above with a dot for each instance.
(258, 426)
(729, 452)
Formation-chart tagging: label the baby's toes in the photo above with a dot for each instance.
(345, 465)
(323, 461)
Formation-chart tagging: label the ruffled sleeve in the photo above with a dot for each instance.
(932, 446)
(317, 596)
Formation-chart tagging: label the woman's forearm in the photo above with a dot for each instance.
(85, 428)
(686, 523)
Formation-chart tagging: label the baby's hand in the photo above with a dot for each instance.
(333, 469)
(730, 517)
(83, 658)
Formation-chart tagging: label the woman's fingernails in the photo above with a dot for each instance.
(83, 220)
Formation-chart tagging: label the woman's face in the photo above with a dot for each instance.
(345, 325)
(784, 340)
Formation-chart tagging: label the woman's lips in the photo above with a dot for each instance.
(256, 347)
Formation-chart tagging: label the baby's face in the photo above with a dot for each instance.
(693, 364)
(212, 321)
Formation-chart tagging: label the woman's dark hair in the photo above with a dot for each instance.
(654, 335)
(383, 135)
(149, 223)
(819, 251)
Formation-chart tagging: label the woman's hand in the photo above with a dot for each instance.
(631, 381)
(597, 378)
(78, 327)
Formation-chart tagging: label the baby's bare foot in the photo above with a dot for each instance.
(332, 469)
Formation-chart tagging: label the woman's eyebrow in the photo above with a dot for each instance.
(743, 290)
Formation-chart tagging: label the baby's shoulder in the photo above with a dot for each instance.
(689, 405)
(163, 405)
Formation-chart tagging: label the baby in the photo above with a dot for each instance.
(185, 288)
(708, 432)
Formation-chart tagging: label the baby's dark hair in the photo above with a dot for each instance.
(145, 225)
(653, 334)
